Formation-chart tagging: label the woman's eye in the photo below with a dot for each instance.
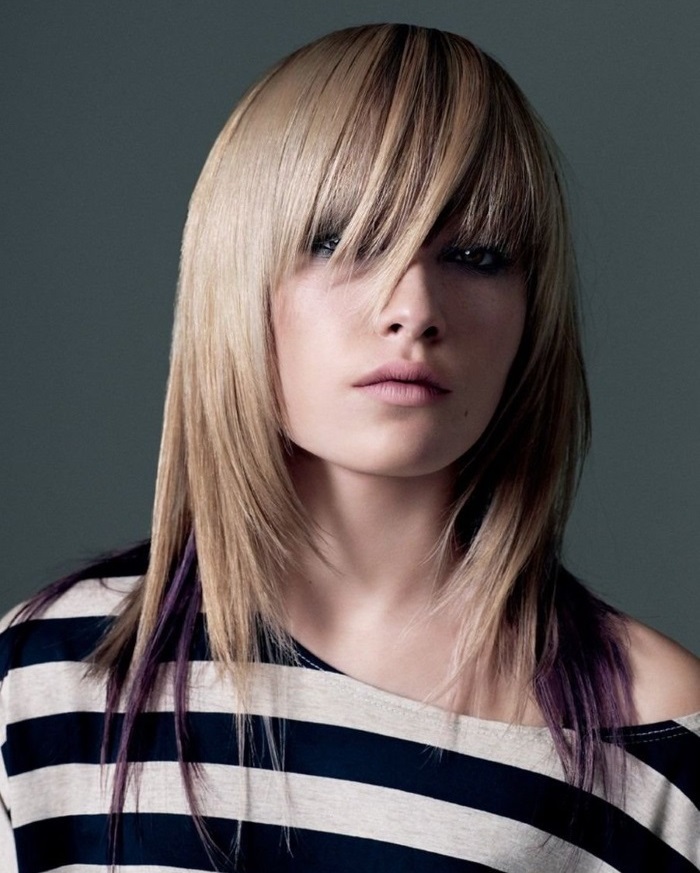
(324, 246)
(482, 259)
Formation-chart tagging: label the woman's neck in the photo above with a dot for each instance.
(377, 533)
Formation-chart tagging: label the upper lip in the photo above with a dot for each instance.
(403, 371)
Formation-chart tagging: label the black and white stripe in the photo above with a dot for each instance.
(371, 781)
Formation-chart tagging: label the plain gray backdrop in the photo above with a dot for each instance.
(108, 112)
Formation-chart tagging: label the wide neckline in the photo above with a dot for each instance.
(646, 732)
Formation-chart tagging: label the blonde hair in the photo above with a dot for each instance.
(382, 132)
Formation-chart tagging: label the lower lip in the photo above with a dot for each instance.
(405, 393)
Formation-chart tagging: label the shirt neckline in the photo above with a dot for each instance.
(646, 732)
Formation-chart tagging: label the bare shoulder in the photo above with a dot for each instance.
(666, 677)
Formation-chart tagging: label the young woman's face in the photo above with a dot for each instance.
(410, 394)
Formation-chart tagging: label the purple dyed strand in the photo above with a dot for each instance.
(190, 769)
(584, 683)
(178, 611)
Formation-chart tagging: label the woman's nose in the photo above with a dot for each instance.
(414, 311)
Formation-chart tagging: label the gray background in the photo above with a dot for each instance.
(108, 111)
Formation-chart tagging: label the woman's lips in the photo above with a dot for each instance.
(403, 383)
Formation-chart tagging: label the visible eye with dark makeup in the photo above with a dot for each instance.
(484, 260)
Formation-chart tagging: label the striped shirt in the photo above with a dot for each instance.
(370, 781)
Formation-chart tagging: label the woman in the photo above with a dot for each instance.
(350, 643)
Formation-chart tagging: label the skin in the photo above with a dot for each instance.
(667, 676)
(376, 477)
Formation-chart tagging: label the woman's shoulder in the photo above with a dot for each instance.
(666, 676)
(60, 621)
(91, 596)
(61, 626)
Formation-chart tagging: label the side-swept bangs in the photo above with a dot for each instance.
(380, 134)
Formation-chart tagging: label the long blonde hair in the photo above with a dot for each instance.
(383, 132)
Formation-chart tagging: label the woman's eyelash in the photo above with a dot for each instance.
(484, 259)
(487, 260)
